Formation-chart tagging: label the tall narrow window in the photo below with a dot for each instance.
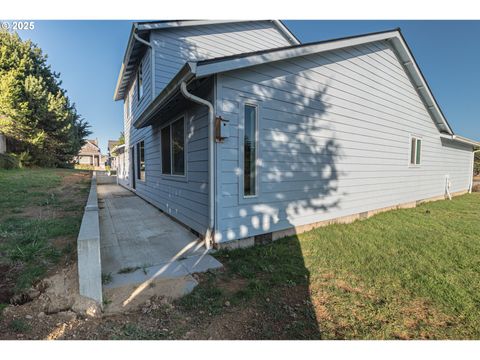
(415, 150)
(250, 151)
(140, 81)
(178, 148)
(141, 160)
(166, 150)
(173, 148)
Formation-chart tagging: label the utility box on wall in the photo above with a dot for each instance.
(222, 129)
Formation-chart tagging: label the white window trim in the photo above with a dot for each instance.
(137, 167)
(185, 150)
(242, 197)
(416, 137)
(140, 69)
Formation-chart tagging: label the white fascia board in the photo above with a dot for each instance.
(183, 23)
(243, 62)
(126, 57)
(410, 65)
(461, 139)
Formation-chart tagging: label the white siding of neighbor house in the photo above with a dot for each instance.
(175, 46)
(334, 141)
(185, 200)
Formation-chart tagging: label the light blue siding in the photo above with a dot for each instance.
(334, 141)
(186, 200)
(175, 46)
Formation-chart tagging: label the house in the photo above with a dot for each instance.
(111, 158)
(243, 134)
(89, 154)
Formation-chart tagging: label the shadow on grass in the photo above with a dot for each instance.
(263, 293)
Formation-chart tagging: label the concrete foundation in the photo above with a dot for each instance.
(275, 235)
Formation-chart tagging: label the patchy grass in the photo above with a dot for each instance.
(19, 326)
(405, 274)
(106, 278)
(37, 208)
(410, 273)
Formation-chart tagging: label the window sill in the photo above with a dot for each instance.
(179, 178)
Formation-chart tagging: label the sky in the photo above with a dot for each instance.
(88, 55)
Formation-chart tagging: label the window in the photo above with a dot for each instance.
(250, 151)
(141, 160)
(140, 81)
(415, 150)
(173, 148)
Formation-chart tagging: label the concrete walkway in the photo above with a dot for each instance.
(140, 244)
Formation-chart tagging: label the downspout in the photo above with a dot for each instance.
(211, 164)
(152, 75)
(473, 164)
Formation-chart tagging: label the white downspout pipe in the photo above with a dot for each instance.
(152, 60)
(473, 164)
(211, 159)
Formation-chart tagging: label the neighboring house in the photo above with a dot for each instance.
(240, 132)
(111, 158)
(89, 154)
(119, 155)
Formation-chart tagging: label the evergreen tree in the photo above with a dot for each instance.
(34, 109)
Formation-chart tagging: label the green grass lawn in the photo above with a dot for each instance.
(40, 214)
(412, 273)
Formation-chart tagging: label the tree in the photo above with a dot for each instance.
(34, 109)
(121, 139)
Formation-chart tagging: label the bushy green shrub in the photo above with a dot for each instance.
(7, 161)
(24, 159)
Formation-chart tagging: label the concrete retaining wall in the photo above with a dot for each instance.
(88, 249)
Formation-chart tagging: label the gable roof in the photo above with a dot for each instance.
(205, 68)
(142, 29)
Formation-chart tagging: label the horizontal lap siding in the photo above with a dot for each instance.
(174, 47)
(186, 199)
(334, 141)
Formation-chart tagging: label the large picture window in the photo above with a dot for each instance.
(173, 148)
(415, 150)
(250, 151)
(141, 160)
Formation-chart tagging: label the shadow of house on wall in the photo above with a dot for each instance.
(298, 176)
(298, 173)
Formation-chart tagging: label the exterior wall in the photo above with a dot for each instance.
(334, 132)
(175, 46)
(187, 200)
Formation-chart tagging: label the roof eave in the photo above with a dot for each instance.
(186, 73)
(126, 56)
(461, 139)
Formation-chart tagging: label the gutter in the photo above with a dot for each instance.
(152, 60)
(211, 164)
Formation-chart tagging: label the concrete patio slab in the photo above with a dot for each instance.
(140, 246)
